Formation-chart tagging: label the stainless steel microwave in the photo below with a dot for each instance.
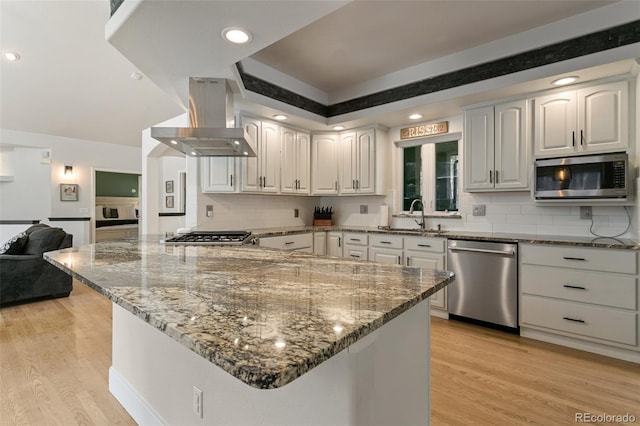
(601, 176)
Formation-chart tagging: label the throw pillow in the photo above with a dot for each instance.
(113, 213)
(100, 212)
(44, 240)
(15, 244)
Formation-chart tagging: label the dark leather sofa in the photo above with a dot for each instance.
(25, 275)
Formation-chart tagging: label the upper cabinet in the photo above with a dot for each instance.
(496, 147)
(262, 173)
(324, 164)
(357, 162)
(589, 120)
(218, 174)
(296, 162)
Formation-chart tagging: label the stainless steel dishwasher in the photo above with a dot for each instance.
(485, 289)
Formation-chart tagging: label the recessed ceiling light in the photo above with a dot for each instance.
(11, 56)
(136, 76)
(236, 35)
(415, 116)
(236, 142)
(564, 80)
(280, 117)
(245, 153)
(338, 127)
(194, 153)
(174, 142)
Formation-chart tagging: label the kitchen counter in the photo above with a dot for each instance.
(613, 243)
(266, 317)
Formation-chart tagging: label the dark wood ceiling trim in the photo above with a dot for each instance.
(611, 38)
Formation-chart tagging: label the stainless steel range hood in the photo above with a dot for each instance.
(210, 109)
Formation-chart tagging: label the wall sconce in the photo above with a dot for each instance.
(68, 170)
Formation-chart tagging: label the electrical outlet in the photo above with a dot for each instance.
(209, 210)
(197, 401)
(364, 209)
(585, 212)
(83, 210)
(479, 209)
(296, 213)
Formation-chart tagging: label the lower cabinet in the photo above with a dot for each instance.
(585, 298)
(386, 248)
(356, 245)
(320, 243)
(428, 253)
(334, 244)
(298, 242)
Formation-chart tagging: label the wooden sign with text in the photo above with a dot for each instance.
(424, 130)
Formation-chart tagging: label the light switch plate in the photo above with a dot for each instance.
(364, 209)
(586, 212)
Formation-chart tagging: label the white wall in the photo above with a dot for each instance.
(41, 198)
(28, 196)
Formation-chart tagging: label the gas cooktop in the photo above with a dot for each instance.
(212, 238)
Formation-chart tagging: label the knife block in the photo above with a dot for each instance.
(322, 222)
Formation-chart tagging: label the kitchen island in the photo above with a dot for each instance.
(246, 335)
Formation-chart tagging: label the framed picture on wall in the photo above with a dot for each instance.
(168, 187)
(168, 202)
(68, 192)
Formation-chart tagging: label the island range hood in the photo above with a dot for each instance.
(210, 109)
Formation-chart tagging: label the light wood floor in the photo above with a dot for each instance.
(55, 355)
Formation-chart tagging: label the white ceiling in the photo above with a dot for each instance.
(71, 82)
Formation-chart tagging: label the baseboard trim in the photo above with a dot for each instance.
(127, 396)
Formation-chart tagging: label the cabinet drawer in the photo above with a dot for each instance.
(356, 239)
(424, 244)
(585, 320)
(614, 290)
(386, 241)
(356, 252)
(594, 259)
(382, 255)
(288, 242)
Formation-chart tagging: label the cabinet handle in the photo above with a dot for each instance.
(490, 176)
(582, 259)
(385, 242)
(357, 183)
(574, 320)
(497, 180)
(355, 255)
(230, 180)
(581, 138)
(353, 184)
(289, 243)
(573, 138)
(336, 185)
(424, 245)
(575, 287)
(399, 261)
(408, 261)
(354, 239)
(339, 241)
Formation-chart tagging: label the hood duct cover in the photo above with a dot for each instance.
(210, 109)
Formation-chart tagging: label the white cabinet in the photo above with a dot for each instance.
(428, 253)
(578, 294)
(296, 161)
(357, 162)
(218, 174)
(324, 164)
(299, 242)
(320, 243)
(334, 244)
(356, 246)
(386, 248)
(496, 149)
(262, 173)
(589, 120)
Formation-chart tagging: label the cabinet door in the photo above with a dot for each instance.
(334, 244)
(218, 174)
(269, 157)
(303, 162)
(348, 166)
(324, 165)
(478, 149)
(320, 243)
(555, 121)
(250, 169)
(511, 146)
(366, 161)
(288, 177)
(603, 117)
(429, 261)
(393, 257)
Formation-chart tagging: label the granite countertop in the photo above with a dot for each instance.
(613, 243)
(264, 316)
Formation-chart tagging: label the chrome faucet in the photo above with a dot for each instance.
(423, 224)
